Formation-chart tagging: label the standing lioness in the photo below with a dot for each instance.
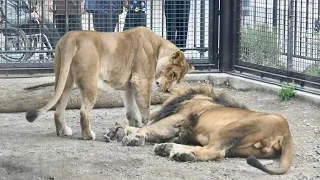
(128, 61)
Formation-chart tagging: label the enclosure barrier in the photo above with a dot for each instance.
(278, 39)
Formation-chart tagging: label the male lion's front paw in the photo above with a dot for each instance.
(133, 140)
(176, 152)
(163, 149)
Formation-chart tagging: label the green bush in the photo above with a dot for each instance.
(260, 46)
(314, 69)
(286, 92)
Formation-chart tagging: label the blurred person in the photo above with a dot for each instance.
(177, 21)
(106, 14)
(136, 15)
(75, 10)
(20, 15)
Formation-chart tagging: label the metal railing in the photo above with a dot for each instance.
(28, 36)
(278, 39)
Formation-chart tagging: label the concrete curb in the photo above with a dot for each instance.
(241, 83)
(14, 97)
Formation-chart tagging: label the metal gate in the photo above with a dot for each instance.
(30, 29)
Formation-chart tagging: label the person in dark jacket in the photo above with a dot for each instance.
(105, 18)
(177, 20)
(136, 15)
(74, 7)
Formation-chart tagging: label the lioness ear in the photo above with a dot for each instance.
(178, 58)
(190, 68)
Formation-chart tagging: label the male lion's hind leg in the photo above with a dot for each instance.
(59, 115)
(185, 153)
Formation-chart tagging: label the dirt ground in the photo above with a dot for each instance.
(33, 151)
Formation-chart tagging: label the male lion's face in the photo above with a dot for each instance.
(170, 70)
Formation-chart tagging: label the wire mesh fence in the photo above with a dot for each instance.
(281, 34)
(30, 29)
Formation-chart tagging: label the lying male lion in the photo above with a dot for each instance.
(219, 126)
(127, 61)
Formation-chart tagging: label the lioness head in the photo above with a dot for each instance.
(170, 70)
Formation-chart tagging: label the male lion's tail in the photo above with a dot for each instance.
(67, 50)
(286, 159)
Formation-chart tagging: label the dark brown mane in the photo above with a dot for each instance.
(174, 105)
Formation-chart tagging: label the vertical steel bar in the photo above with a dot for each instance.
(202, 27)
(290, 37)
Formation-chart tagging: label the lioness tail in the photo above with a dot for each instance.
(67, 49)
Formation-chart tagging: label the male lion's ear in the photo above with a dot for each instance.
(178, 58)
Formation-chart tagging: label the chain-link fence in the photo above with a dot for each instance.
(281, 35)
(30, 29)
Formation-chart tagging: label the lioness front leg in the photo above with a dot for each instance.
(132, 111)
(142, 94)
(157, 132)
(184, 153)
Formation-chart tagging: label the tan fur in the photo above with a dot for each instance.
(219, 130)
(127, 61)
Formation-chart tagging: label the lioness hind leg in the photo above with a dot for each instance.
(87, 103)
(132, 111)
(59, 115)
(184, 153)
(89, 91)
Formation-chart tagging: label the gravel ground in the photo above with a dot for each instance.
(33, 151)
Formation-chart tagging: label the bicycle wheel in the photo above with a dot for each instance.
(14, 40)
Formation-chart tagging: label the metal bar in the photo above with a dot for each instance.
(67, 16)
(202, 26)
(151, 14)
(274, 13)
(211, 26)
(226, 35)
(307, 28)
(237, 30)
(195, 23)
(290, 37)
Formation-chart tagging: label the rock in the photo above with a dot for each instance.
(20, 94)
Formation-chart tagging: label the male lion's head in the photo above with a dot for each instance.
(170, 70)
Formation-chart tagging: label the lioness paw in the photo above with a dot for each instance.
(67, 131)
(89, 136)
(133, 140)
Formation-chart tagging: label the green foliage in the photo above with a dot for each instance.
(286, 93)
(260, 46)
(314, 69)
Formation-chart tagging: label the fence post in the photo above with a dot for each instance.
(290, 38)
(213, 32)
(237, 32)
(227, 35)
